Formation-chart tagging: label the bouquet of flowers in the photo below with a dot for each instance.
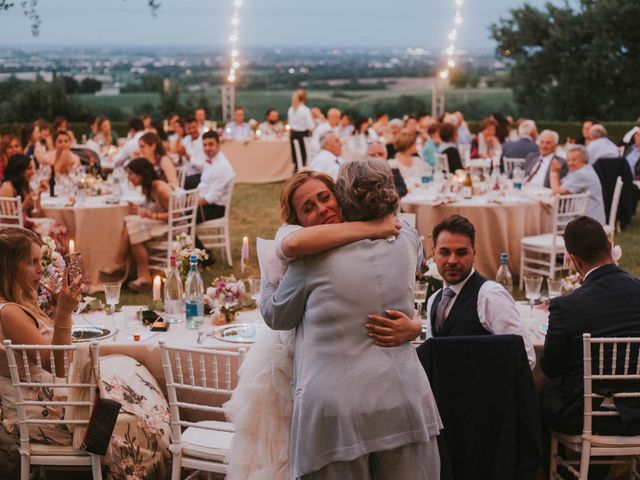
(428, 272)
(54, 264)
(225, 297)
(183, 249)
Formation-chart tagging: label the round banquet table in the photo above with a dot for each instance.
(95, 227)
(259, 161)
(500, 223)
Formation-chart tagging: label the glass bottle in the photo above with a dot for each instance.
(173, 294)
(504, 277)
(194, 296)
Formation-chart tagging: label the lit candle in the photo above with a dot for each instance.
(72, 247)
(156, 288)
(244, 256)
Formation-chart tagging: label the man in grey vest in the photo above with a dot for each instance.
(469, 304)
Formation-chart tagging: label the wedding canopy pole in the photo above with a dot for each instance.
(228, 91)
(439, 88)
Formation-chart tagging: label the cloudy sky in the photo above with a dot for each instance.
(289, 23)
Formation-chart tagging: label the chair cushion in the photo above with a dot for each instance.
(541, 241)
(207, 444)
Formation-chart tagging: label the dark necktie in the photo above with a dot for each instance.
(535, 170)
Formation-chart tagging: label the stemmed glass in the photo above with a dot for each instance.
(532, 286)
(554, 287)
(420, 295)
(254, 288)
(112, 297)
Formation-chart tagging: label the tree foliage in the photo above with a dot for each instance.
(569, 63)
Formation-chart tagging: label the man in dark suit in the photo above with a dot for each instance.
(537, 166)
(526, 144)
(606, 305)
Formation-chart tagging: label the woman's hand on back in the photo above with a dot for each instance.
(394, 329)
(384, 227)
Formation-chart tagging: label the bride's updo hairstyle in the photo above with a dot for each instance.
(365, 190)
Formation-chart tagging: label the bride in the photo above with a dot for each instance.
(261, 407)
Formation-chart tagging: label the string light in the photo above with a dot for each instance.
(233, 38)
(452, 36)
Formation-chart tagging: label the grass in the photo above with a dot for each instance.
(255, 212)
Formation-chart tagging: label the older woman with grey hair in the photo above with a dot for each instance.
(580, 179)
(360, 410)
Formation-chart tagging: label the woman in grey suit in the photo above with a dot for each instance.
(360, 411)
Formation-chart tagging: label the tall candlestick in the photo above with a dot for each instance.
(72, 247)
(244, 257)
(156, 289)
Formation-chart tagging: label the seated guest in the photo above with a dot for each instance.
(92, 123)
(145, 223)
(393, 129)
(432, 143)
(317, 116)
(30, 139)
(537, 166)
(105, 135)
(631, 154)
(584, 132)
(9, 146)
(328, 160)
(272, 127)
(61, 155)
(331, 124)
(345, 128)
(381, 124)
(606, 305)
(411, 166)
(200, 116)
(526, 144)
(600, 146)
(140, 441)
(486, 144)
(61, 124)
(377, 150)
(628, 137)
(238, 129)
(151, 148)
(192, 152)
(580, 179)
(468, 303)
(131, 146)
(216, 181)
(448, 135)
(147, 121)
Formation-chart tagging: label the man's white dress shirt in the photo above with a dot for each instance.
(300, 119)
(216, 180)
(238, 132)
(126, 153)
(326, 162)
(318, 132)
(195, 150)
(541, 171)
(601, 148)
(496, 310)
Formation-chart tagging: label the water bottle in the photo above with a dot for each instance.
(503, 277)
(173, 294)
(518, 178)
(194, 296)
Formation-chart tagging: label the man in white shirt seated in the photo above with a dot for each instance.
(200, 116)
(136, 130)
(600, 146)
(216, 181)
(238, 129)
(328, 160)
(469, 304)
(329, 125)
(192, 153)
(272, 128)
(537, 166)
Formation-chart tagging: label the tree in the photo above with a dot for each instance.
(90, 85)
(71, 85)
(571, 63)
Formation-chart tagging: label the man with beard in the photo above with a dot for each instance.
(272, 127)
(468, 303)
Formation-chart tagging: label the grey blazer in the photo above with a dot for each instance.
(351, 397)
(531, 161)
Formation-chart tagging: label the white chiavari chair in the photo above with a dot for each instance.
(611, 226)
(216, 233)
(11, 212)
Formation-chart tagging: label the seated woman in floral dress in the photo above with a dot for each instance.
(139, 447)
(145, 223)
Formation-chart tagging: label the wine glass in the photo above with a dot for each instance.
(532, 286)
(112, 298)
(254, 288)
(420, 294)
(554, 287)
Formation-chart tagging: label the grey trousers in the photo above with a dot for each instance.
(415, 461)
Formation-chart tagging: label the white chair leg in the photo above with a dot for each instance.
(25, 467)
(521, 267)
(553, 463)
(633, 468)
(584, 460)
(96, 468)
(176, 466)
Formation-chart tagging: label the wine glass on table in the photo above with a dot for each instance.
(420, 295)
(555, 287)
(254, 290)
(112, 298)
(532, 286)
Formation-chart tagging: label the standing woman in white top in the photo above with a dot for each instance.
(301, 124)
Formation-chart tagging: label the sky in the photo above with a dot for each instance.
(269, 23)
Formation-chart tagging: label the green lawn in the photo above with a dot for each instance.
(255, 212)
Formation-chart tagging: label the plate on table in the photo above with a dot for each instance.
(86, 333)
(238, 333)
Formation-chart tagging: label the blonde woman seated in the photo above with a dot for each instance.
(152, 149)
(139, 446)
(145, 223)
(406, 159)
